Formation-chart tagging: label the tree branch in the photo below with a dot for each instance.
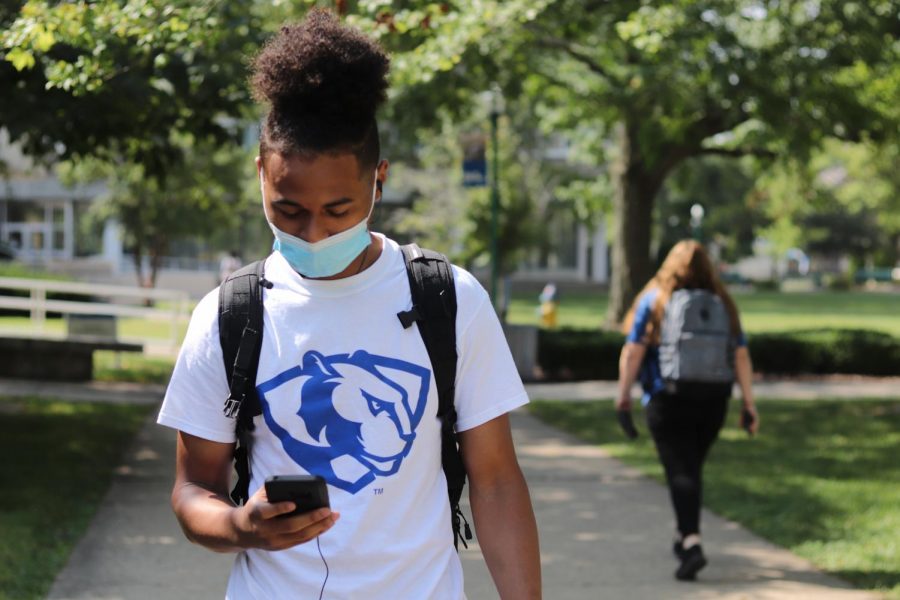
(673, 158)
(715, 121)
(737, 152)
(592, 6)
(712, 122)
(553, 80)
(676, 154)
(560, 44)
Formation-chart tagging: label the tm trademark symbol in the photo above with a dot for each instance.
(378, 491)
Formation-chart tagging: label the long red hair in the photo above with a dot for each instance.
(686, 266)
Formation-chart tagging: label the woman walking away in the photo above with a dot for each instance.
(684, 340)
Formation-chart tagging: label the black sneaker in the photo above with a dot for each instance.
(677, 549)
(692, 560)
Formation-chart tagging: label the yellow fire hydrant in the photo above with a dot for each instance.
(549, 306)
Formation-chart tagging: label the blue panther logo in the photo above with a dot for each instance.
(357, 413)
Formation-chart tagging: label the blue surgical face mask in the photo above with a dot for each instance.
(327, 257)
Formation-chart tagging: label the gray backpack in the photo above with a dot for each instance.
(696, 344)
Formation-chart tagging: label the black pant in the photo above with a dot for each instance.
(684, 426)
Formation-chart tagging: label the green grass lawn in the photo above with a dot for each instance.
(772, 311)
(576, 309)
(127, 328)
(760, 311)
(822, 480)
(130, 366)
(58, 459)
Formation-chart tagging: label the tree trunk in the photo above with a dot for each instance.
(156, 255)
(158, 248)
(635, 191)
(138, 258)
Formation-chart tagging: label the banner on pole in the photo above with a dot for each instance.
(474, 159)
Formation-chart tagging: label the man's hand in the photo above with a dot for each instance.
(209, 518)
(259, 523)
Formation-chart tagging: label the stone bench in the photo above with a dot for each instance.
(523, 344)
(91, 327)
(53, 359)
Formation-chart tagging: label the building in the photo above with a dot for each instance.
(578, 254)
(38, 215)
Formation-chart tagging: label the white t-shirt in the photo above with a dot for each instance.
(347, 393)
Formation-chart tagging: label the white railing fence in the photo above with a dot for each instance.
(173, 308)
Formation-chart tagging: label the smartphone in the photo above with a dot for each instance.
(627, 423)
(308, 492)
(747, 421)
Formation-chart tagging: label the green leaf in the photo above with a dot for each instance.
(20, 59)
(44, 40)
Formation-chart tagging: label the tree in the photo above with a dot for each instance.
(438, 75)
(124, 79)
(653, 83)
(676, 80)
(457, 220)
(722, 186)
(665, 81)
(199, 197)
(131, 91)
(523, 198)
(845, 200)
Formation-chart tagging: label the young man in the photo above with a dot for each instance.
(346, 392)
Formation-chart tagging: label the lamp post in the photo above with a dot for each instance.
(496, 110)
(697, 213)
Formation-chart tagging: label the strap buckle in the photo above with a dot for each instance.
(461, 529)
(232, 406)
(408, 317)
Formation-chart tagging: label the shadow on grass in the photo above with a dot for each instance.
(57, 463)
(872, 579)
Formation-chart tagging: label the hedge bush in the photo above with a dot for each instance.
(573, 354)
(577, 354)
(824, 351)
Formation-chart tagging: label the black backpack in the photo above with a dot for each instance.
(434, 309)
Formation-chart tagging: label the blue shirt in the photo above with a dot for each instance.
(650, 375)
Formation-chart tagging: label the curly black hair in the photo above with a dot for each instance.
(323, 82)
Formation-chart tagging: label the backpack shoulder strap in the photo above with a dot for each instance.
(434, 310)
(240, 335)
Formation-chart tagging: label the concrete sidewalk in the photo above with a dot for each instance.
(134, 548)
(605, 532)
(91, 391)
